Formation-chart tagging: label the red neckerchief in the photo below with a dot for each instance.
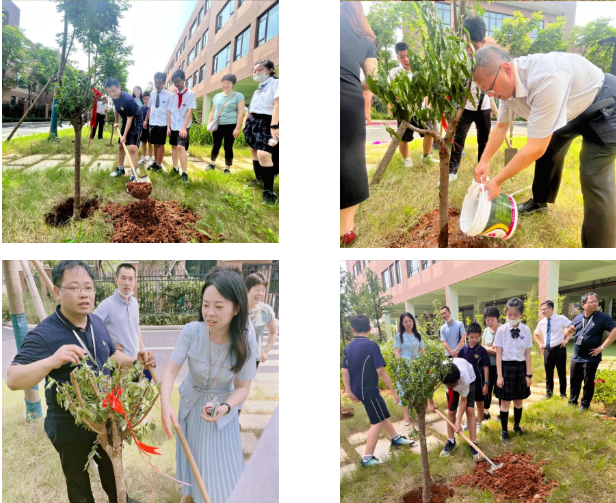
(180, 95)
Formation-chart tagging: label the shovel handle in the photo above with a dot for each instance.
(184, 442)
(474, 446)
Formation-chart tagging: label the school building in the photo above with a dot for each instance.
(222, 37)
(462, 284)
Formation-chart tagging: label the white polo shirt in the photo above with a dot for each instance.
(158, 116)
(467, 376)
(513, 349)
(262, 101)
(551, 90)
(476, 92)
(558, 323)
(178, 114)
(101, 108)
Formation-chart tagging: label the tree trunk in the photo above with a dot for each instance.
(111, 139)
(114, 450)
(77, 203)
(391, 150)
(443, 197)
(29, 109)
(378, 325)
(427, 481)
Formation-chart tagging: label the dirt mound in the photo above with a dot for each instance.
(139, 190)
(518, 479)
(440, 494)
(62, 212)
(152, 221)
(347, 413)
(425, 234)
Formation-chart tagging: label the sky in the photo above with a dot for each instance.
(151, 48)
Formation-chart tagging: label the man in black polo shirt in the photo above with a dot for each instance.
(49, 350)
(589, 328)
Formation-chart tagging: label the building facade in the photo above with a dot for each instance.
(222, 37)
(462, 285)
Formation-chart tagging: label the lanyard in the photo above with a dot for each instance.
(585, 325)
(93, 358)
(209, 354)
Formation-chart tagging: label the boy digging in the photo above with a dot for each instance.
(182, 104)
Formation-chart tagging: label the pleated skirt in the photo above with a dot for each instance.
(218, 454)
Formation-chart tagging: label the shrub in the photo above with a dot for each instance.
(605, 388)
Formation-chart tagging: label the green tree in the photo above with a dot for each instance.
(586, 38)
(531, 309)
(443, 73)
(551, 38)
(14, 54)
(385, 18)
(43, 67)
(113, 59)
(373, 301)
(349, 302)
(514, 33)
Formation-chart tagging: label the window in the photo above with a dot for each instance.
(200, 17)
(198, 48)
(202, 73)
(494, 20)
(365, 264)
(358, 265)
(267, 25)
(177, 54)
(221, 59)
(444, 12)
(391, 275)
(184, 44)
(182, 65)
(204, 39)
(195, 81)
(208, 4)
(191, 56)
(425, 264)
(193, 28)
(385, 278)
(224, 15)
(188, 82)
(242, 42)
(412, 268)
(398, 272)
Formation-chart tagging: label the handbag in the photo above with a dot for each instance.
(213, 125)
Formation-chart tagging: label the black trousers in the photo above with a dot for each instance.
(556, 357)
(224, 132)
(487, 399)
(100, 123)
(73, 457)
(481, 118)
(583, 372)
(598, 132)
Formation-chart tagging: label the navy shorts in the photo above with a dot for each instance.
(376, 409)
(158, 135)
(134, 133)
(408, 133)
(177, 140)
(145, 135)
(456, 398)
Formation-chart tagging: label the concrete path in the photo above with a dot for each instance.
(28, 128)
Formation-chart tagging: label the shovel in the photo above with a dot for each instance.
(510, 151)
(144, 179)
(490, 470)
(189, 456)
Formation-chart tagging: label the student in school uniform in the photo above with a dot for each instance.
(460, 383)
(552, 335)
(261, 127)
(132, 121)
(156, 119)
(145, 134)
(362, 365)
(491, 316)
(179, 118)
(513, 343)
(101, 115)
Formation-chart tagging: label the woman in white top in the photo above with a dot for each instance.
(261, 127)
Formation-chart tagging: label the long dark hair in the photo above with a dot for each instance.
(268, 65)
(140, 92)
(354, 13)
(402, 329)
(229, 283)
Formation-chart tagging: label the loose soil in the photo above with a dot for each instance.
(62, 212)
(425, 234)
(518, 479)
(139, 190)
(152, 221)
(440, 494)
(347, 413)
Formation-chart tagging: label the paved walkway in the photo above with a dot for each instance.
(28, 128)
(436, 430)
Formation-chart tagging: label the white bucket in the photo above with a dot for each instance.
(480, 217)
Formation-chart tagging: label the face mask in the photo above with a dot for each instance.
(260, 77)
(515, 323)
(125, 296)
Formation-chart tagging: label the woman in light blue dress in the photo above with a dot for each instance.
(408, 344)
(219, 347)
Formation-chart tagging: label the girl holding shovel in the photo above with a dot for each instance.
(219, 349)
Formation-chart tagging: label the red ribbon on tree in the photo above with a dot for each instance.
(97, 96)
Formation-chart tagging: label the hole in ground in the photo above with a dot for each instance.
(62, 212)
(440, 494)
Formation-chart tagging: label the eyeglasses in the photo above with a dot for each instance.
(489, 91)
(75, 289)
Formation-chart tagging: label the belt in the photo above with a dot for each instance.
(606, 103)
(555, 347)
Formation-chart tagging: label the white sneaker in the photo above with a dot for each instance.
(465, 425)
(429, 161)
(141, 161)
(408, 162)
(150, 161)
(452, 177)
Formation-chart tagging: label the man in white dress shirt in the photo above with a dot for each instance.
(551, 339)
(563, 96)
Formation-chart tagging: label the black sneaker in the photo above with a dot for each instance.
(255, 182)
(474, 453)
(156, 167)
(269, 197)
(486, 416)
(449, 447)
(583, 409)
(518, 430)
(547, 396)
(505, 438)
(118, 172)
(563, 396)
(210, 167)
(177, 170)
(227, 171)
(529, 207)
(185, 177)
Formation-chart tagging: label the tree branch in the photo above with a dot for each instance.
(94, 429)
(428, 132)
(77, 391)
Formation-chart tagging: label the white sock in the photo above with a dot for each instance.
(367, 457)
(150, 159)
(452, 440)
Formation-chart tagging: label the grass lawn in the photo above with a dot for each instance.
(404, 195)
(581, 450)
(224, 202)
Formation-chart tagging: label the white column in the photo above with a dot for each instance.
(453, 300)
(553, 279)
(410, 308)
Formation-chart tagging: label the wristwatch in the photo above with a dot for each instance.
(529, 375)
(487, 382)
(274, 126)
